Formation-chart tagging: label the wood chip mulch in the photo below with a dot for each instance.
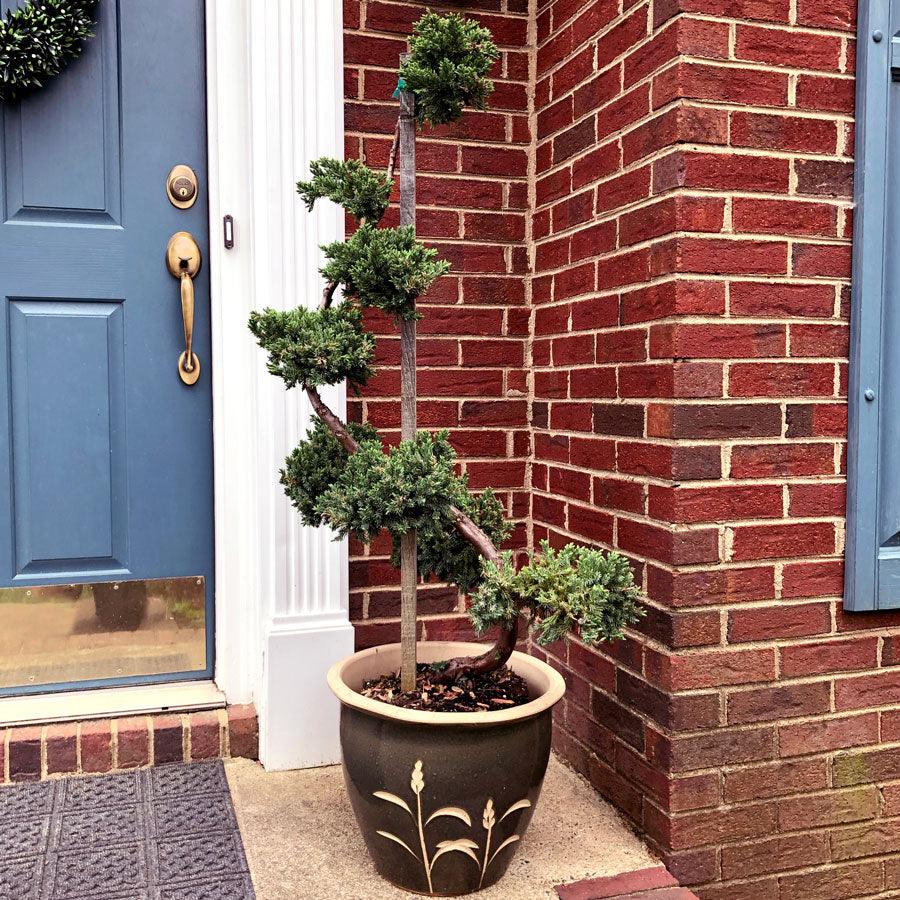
(499, 689)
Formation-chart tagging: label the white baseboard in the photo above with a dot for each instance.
(298, 714)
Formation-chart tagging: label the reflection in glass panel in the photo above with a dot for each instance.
(119, 629)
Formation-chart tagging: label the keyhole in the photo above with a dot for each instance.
(182, 189)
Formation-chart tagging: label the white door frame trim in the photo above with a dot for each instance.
(275, 102)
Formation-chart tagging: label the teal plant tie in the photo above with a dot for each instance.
(401, 86)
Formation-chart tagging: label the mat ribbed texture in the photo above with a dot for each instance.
(165, 833)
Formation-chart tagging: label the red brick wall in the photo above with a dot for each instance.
(604, 285)
(683, 330)
(472, 192)
(690, 351)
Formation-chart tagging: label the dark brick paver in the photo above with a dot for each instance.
(645, 884)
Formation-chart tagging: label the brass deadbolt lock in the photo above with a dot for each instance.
(181, 187)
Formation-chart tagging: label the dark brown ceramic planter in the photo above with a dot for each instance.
(442, 799)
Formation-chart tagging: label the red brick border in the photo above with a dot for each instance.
(644, 884)
(37, 752)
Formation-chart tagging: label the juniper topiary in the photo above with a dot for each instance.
(364, 193)
(447, 67)
(315, 464)
(313, 347)
(343, 477)
(444, 553)
(576, 590)
(410, 486)
(384, 267)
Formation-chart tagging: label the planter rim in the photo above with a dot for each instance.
(375, 661)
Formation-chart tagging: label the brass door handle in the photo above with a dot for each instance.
(183, 260)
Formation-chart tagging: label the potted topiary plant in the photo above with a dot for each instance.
(445, 744)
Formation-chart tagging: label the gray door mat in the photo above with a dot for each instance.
(165, 833)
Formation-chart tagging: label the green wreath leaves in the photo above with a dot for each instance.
(37, 42)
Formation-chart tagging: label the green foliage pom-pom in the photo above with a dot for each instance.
(497, 600)
(579, 589)
(449, 59)
(316, 464)
(37, 42)
(410, 486)
(362, 192)
(312, 347)
(446, 554)
(574, 590)
(384, 267)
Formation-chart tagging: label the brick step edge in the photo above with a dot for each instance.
(645, 884)
(37, 752)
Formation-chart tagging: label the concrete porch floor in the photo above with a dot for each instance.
(302, 842)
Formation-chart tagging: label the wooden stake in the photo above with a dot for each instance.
(408, 549)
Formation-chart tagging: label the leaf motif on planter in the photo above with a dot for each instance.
(454, 811)
(519, 804)
(463, 845)
(393, 798)
(510, 840)
(396, 840)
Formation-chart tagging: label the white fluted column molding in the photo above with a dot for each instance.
(292, 95)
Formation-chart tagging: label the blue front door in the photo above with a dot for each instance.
(106, 505)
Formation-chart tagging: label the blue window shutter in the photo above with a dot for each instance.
(872, 573)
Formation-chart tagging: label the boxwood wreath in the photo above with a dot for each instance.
(39, 41)
(343, 476)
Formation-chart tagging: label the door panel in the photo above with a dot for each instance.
(106, 460)
(70, 516)
(63, 143)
